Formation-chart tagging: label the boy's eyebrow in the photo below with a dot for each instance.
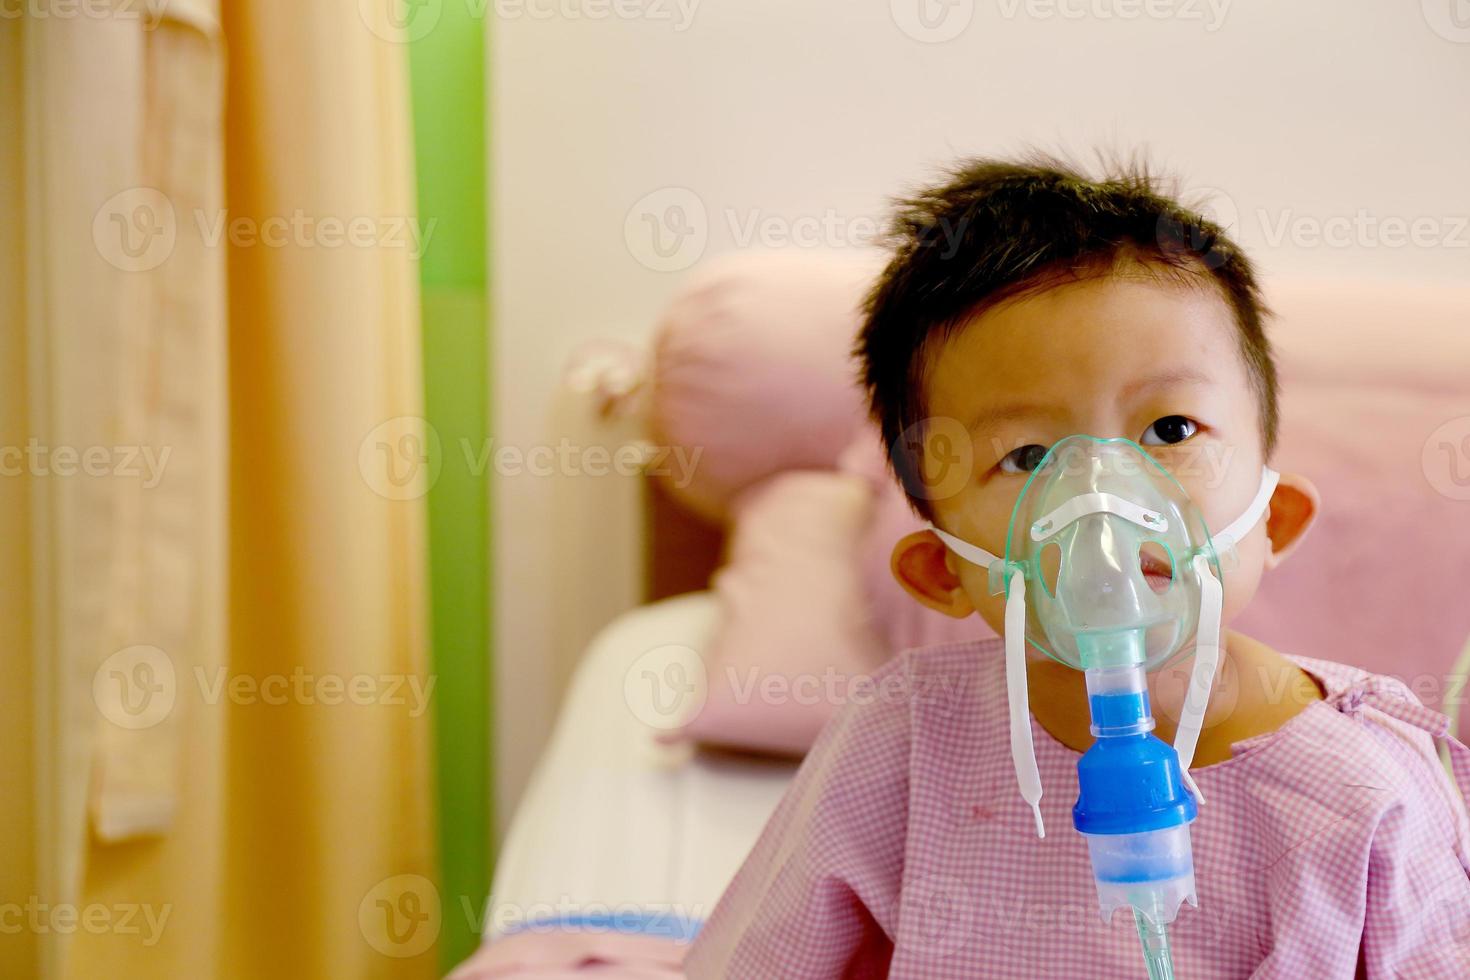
(1010, 413)
(1166, 378)
(1024, 410)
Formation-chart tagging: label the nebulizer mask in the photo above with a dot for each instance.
(1110, 568)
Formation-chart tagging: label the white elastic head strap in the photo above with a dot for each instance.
(1242, 525)
(1207, 635)
(973, 554)
(1202, 677)
(1087, 504)
(1018, 701)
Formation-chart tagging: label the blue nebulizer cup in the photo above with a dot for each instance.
(1134, 811)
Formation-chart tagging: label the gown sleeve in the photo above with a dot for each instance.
(1416, 920)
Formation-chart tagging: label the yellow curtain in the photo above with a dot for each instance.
(19, 869)
(328, 569)
(215, 647)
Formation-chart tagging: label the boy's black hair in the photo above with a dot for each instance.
(998, 229)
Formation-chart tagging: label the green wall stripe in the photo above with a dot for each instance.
(448, 84)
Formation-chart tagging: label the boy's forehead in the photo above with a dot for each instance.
(1104, 337)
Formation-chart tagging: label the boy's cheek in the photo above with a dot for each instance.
(976, 583)
(1220, 475)
(992, 608)
(1242, 581)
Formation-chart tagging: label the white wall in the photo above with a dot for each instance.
(803, 115)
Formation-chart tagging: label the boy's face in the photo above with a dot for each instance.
(1125, 355)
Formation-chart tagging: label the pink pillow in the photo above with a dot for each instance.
(796, 633)
(752, 366)
(808, 607)
(901, 621)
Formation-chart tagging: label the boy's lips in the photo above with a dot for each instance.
(1156, 570)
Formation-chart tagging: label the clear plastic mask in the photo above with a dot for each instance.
(1106, 539)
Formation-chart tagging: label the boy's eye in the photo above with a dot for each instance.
(1169, 430)
(1023, 460)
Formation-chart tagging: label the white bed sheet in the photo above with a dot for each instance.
(615, 821)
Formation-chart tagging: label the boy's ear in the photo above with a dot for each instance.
(1292, 511)
(920, 562)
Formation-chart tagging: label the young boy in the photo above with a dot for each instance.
(1024, 304)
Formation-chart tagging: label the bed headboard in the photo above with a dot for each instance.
(643, 544)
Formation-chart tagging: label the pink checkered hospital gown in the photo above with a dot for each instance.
(1333, 847)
